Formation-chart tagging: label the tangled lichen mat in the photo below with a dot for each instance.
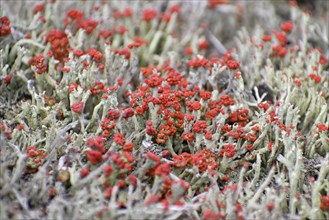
(210, 109)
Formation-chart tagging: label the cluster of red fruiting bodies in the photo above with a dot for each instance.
(186, 111)
(35, 158)
(5, 28)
